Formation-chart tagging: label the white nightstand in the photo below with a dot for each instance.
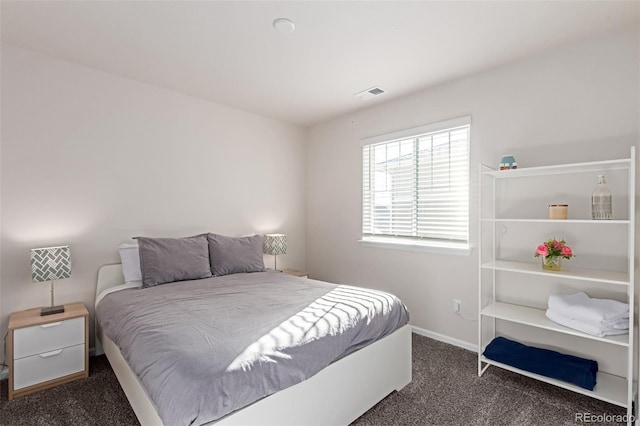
(45, 351)
(296, 273)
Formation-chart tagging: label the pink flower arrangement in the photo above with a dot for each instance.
(554, 248)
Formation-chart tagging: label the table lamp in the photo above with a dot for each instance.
(50, 264)
(275, 244)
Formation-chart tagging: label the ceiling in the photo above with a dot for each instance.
(229, 53)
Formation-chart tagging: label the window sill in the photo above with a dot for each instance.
(456, 249)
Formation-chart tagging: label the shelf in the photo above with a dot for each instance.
(589, 221)
(518, 215)
(595, 166)
(609, 388)
(537, 318)
(609, 277)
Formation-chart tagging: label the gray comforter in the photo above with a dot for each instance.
(205, 348)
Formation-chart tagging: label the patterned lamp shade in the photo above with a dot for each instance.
(275, 244)
(51, 263)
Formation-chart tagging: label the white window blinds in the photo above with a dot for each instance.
(416, 183)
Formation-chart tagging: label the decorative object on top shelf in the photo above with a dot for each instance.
(558, 211)
(275, 244)
(50, 263)
(553, 252)
(508, 162)
(601, 201)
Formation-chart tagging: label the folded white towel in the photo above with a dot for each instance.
(620, 325)
(581, 326)
(581, 307)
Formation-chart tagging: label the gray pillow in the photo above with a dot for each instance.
(229, 255)
(165, 260)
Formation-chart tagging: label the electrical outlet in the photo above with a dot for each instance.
(457, 305)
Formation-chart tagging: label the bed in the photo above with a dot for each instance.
(337, 394)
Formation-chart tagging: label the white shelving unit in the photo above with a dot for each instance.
(504, 265)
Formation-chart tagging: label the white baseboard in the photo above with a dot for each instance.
(446, 339)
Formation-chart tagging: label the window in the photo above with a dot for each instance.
(416, 185)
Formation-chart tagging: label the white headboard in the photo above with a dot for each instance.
(109, 276)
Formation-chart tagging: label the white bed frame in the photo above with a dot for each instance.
(337, 395)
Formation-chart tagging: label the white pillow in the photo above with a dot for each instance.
(130, 258)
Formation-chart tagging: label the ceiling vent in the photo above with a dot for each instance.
(370, 93)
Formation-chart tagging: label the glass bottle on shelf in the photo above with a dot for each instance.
(601, 201)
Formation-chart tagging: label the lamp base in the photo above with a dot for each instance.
(51, 310)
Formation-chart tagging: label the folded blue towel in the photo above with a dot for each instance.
(568, 368)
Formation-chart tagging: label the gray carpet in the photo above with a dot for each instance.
(446, 390)
(97, 400)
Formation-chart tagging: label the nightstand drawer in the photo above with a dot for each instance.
(38, 339)
(47, 366)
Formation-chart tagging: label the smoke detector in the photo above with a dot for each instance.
(370, 93)
(284, 25)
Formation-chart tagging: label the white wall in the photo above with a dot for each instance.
(578, 103)
(90, 159)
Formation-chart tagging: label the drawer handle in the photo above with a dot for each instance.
(51, 324)
(52, 353)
